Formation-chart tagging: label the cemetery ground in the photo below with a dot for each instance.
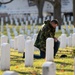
(64, 66)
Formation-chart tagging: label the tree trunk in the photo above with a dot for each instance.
(40, 5)
(40, 12)
(74, 12)
(57, 11)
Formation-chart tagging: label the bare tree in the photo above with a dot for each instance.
(74, 12)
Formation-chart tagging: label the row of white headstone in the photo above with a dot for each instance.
(22, 30)
(69, 28)
(67, 41)
(16, 42)
(48, 67)
(31, 22)
(65, 18)
(30, 48)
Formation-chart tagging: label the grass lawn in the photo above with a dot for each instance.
(64, 66)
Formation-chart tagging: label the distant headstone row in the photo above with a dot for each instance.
(20, 20)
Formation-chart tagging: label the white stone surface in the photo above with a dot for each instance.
(69, 41)
(49, 49)
(35, 30)
(10, 73)
(5, 56)
(28, 32)
(12, 43)
(29, 53)
(63, 41)
(31, 22)
(63, 31)
(49, 68)
(73, 40)
(57, 29)
(16, 43)
(21, 43)
(4, 39)
(34, 37)
(67, 28)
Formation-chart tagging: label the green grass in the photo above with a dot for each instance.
(64, 66)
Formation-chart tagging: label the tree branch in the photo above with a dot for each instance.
(6, 2)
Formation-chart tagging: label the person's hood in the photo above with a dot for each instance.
(47, 22)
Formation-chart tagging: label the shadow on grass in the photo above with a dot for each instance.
(69, 70)
(16, 59)
(57, 62)
(28, 73)
(24, 73)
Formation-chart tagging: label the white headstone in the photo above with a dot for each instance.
(49, 68)
(7, 25)
(29, 18)
(11, 21)
(29, 53)
(35, 21)
(32, 28)
(24, 18)
(67, 29)
(12, 43)
(26, 29)
(21, 43)
(69, 41)
(57, 29)
(63, 31)
(73, 39)
(49, 49)
(6, 19)
(2, 23)
(63, 41)
(70, 25)
(4, 39)
(69, 22)
(31, 22)
(26, 22)
(15, 43)
(5, 56)
(10, 73)
(21, 31)
(34, 37)
(35, 31)
(28, 32)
